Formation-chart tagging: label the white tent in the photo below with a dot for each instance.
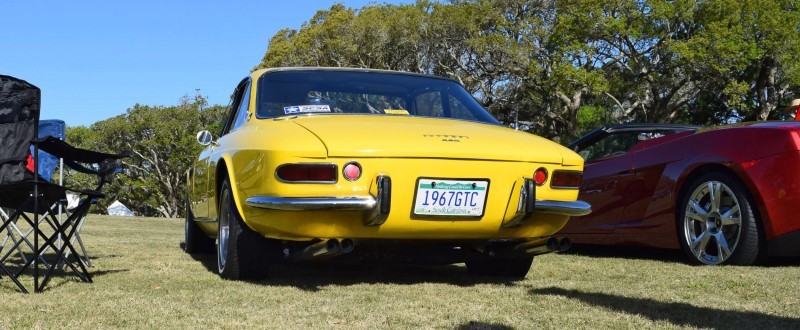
(119, 209)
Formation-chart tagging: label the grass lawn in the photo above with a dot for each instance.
(142, 279)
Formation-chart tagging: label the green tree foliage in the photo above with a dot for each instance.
(161, 142)
(543, 62)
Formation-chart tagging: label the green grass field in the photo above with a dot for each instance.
(142, 279)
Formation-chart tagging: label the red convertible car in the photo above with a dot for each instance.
(724, 195)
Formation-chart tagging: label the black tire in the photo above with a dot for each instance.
(242, 253)
(501, 267)
(195, 240)
(722, 235)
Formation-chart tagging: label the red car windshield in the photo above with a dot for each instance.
(282, 93)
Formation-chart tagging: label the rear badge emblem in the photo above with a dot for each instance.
(447, 137)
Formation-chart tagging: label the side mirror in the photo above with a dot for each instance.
(205, 137)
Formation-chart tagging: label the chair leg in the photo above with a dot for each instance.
(17, 246)
(16, 243)
(10, 235)
(84, 257)
(83, 274)
(5, 224)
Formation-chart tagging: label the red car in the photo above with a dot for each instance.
(724, 195)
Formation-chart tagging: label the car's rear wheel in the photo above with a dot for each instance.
(241, 252)
(501, 267)
(717, 224)
(195, 240)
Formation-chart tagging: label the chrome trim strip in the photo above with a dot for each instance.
(312, 203)
(573, 209)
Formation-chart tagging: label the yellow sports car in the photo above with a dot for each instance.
(320, 162)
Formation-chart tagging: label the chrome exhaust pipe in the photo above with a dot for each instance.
(542, 246)
(324, 249)
(564, 244)
(346, 245)
(552, 244)
(538, 247)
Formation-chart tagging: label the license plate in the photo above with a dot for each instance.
(458, 198)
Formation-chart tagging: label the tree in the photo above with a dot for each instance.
(161, 143)
(542, 62)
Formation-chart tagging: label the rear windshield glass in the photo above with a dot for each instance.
(342, 92)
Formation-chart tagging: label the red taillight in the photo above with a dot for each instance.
(352, 171)
(540, 176)
(324, 173)
(566, 179)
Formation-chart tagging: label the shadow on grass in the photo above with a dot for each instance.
(678, 314)
(58, 277)
(666, 255)
(60, 272)
(476, 325)
(312, 276)
(627, 252)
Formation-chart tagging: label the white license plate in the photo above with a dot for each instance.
(460, 198)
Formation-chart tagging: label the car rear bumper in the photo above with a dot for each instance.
(312, 203)
(383, 215)
(369, 203)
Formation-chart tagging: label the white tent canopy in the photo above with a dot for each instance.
(119, 209)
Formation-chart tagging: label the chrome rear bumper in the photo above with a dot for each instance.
(368, 203)
(573, 209)
(378, 207)
(312, 203)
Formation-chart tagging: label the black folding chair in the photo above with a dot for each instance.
(32, 199)
(47, 165)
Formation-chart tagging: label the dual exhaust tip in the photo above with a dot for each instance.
(337, 246)
(324, 249)
(552, 244)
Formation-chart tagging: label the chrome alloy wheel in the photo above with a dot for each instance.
(712, 222)
(225, 218)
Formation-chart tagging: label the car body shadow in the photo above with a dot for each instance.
(627, 252)
(676, 313)
(312, 276)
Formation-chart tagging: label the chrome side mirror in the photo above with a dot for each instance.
(205, 137)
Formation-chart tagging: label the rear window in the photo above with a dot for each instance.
(284, 93)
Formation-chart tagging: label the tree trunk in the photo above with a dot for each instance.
(766, 88)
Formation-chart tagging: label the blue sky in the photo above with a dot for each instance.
(95, 59)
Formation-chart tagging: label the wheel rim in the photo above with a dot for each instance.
(224, 230)
(712, 222)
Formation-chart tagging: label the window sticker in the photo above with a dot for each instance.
(396, 112)
(312, 108)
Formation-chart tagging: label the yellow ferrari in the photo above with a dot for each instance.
(317, 163)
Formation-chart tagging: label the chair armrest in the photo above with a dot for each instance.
(63, 150)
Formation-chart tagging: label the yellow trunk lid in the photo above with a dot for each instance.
(419, 137)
